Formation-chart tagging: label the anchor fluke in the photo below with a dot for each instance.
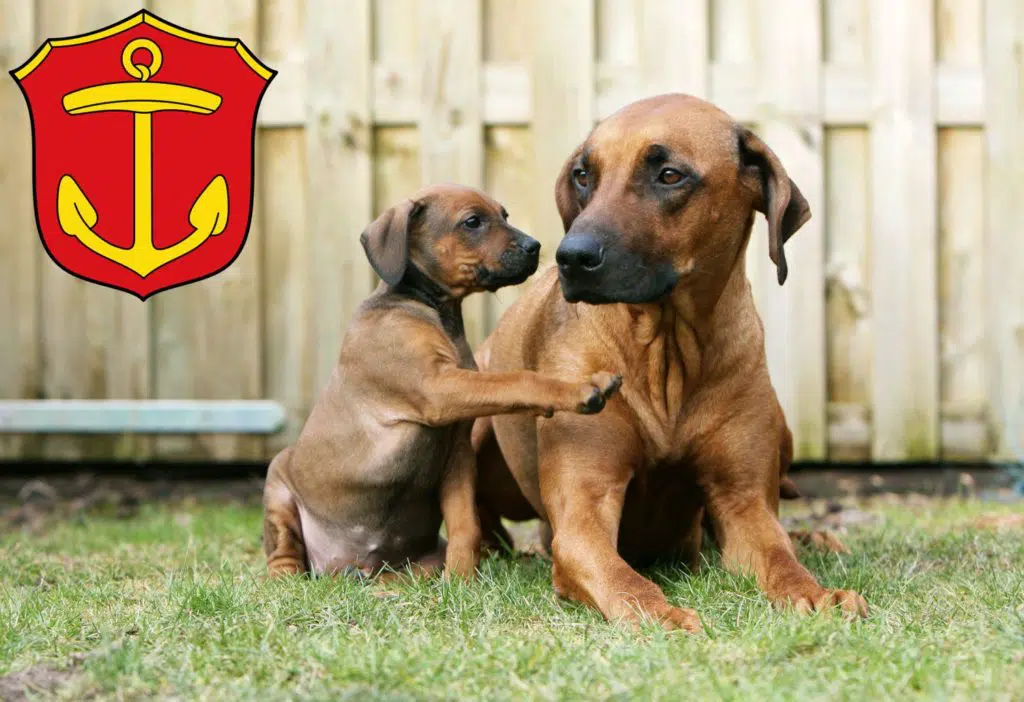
(74, 211)
(210, 211)
(77, 216)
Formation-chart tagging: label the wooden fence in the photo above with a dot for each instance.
(899, 335)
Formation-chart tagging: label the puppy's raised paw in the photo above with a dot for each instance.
(602, 386)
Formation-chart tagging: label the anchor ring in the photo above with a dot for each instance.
(141, 70)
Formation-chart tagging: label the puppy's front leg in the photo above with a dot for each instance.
(458, 509)
(455, 394)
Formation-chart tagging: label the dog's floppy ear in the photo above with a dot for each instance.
(565, 194)
(778, 197)
(386, 240)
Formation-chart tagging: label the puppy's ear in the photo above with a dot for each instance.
(565, 194)
(777, 196)
(386, 240)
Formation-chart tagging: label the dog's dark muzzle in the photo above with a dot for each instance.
(592, 271)
(517, 263)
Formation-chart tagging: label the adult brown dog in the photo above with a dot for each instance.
(385, 453)
(658, 205)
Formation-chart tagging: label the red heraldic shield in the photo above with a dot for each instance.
(143, 136)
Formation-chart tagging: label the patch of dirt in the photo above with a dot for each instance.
(999, 521)
(35, 504)
(38, 680)
(829, 516)
(527, 538)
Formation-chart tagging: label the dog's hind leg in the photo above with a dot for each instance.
(282, 528)
(824, 540)
(497, 493)
(788, 490)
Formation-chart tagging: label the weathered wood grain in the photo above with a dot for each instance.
(450, 124)
(95, 340)
(1004, 156)
(20, 250)
(209, 333)
(905, 374)
(789, 43)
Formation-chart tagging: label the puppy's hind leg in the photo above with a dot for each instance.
(282, 528)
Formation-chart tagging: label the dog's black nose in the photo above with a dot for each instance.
(530, 245)
(580, 251)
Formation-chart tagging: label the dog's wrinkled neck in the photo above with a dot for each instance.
(419, 286)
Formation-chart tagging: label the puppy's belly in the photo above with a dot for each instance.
(370, 543)
(364, 510)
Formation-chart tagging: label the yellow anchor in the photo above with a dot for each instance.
(209, 213)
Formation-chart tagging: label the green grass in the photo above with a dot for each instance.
(171, 603)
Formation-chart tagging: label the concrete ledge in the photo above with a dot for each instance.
(141, 417)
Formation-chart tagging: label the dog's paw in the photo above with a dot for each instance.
(678, 618)
(601, 387)
(850, 603)
(461, 566)
(661, 614)
(822, 540)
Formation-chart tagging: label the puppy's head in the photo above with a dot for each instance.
(456, 235)
(665, 189)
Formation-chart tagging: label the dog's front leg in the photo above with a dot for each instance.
(585, 467)
(742, 501)
(458, 508)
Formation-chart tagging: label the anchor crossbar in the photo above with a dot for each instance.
(141, 98)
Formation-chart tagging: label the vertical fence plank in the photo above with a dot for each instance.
(95, 340)
(616, 48)
(451, 131)
(287, 258)
(649, 47)
(563, 102)
(790, 44)
(19, 242)
(847, 233)
(397, 172)
(509, 163)
(396, 166)
(1004, 151)
(961, 234)
(339, 140)
(903, 201)
(734, 45)
(673, 46)
(209, 332)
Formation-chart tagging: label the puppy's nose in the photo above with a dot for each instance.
(580, 251)
(530, 245)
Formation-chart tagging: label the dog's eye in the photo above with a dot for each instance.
(473, 222)
(670, 176)
(581, 177)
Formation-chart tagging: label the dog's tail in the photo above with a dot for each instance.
(787, 488)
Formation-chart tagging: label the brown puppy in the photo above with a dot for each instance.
(658, 205)
(385, 453)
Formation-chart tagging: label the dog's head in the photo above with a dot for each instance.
(456, 235)
(664, 188)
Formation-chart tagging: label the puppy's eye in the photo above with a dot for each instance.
(581, 177)
(670, 176)
(473, 222)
